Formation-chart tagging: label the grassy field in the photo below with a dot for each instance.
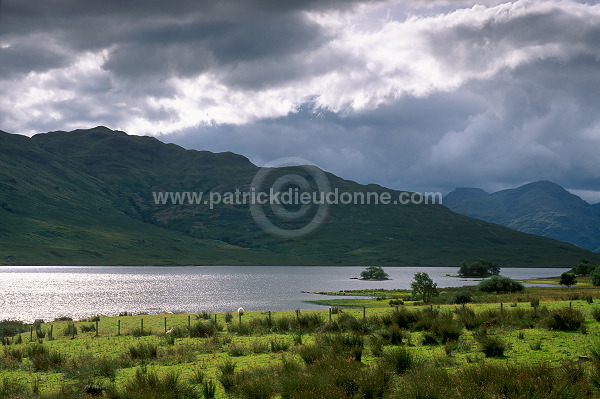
(500, 347)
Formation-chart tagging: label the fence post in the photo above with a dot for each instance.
(270, 321)
(97, 328)
(364, 313)
(570, 305)
(31, 333)
(189, 321)
(240, 316)
(501, 307)
(74, 331)
(118, 327)
(330, 315)
(142, 332)
(51, 336)
(165, 324)
(215, 319)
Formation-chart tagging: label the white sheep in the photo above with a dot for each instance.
(240, 311)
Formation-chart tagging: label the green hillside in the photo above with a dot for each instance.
(542, 208)
(85, 197)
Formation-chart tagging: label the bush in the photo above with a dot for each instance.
(147, 384)
(396, 302)
(492, 346)
(202, 330)
(565, 319)
(595, 276)
(43, 359)
(398, 359)
(596, 314)
(143, 351)
(10, 328)
(90, 328)
(462, 297)
(500, 285)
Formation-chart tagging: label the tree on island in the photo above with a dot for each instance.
(479, 268)
(374, 273)
(567, 279)
(423, 287)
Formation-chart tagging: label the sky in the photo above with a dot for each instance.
(420, 95)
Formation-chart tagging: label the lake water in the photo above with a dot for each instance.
(33, 292)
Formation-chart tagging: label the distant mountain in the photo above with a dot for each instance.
(597, 206)
(85, 198)
(463, 193)
(542, 208)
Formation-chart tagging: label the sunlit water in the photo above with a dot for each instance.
(32, 292)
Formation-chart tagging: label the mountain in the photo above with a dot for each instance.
(597, 206)
(86, 197)
(463, 193)
(542, 208)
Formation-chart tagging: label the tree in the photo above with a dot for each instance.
(500, 284)
(595, 276)
(374, 273)
(479, 268)
(568, 279)
(423, 287)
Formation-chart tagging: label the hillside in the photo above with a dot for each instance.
(542, 208)
(85, 197)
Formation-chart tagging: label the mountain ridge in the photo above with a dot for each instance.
(85, 197)
(543, 208)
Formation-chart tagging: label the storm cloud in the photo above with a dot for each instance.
(415, 95)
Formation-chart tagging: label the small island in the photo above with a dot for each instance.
(374, 273)
(479, 268)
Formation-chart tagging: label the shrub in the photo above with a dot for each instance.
(228, 317)
(202, 330)
(595, 276)
(462, 297)
(398, 359)
(596, 313)
(392, 335)
(148, 384)
(90, 367)
(565, 319)
(90, 328)
(396, 302)
(10, 328)
(69, 330)
(43, 359)
(492, 346)
(500, 285)
(143, 351)
(279, 346)
(208, 389)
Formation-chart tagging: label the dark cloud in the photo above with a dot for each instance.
(421, 95)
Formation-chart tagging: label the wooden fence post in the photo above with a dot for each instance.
(118, 327)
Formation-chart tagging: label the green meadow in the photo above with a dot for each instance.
(543, 342)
